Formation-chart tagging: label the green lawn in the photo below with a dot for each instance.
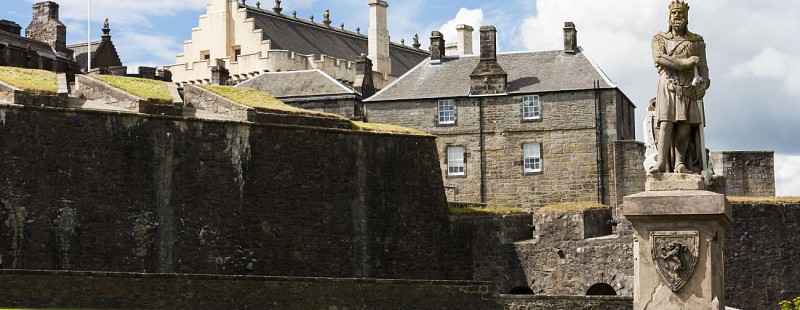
(488, 210)
(151, 90)
(37, 82)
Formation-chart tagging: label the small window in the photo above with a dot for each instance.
(532, 157)
(531, 108)
(205, 55)
(237, 51)
(447, 112)
(455, 160)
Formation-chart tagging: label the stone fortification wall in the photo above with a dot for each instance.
(745, 173)
(629, 174)
(761, 252)
(487, 245)
(118, 191)
(159, 291)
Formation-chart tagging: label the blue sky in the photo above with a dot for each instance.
(754, 56)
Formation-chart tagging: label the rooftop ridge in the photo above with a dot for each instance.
(322, 26)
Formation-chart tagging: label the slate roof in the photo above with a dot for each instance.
(304, 37)
(528, 72)
(304, 83)
(79, 51)
(44, 49)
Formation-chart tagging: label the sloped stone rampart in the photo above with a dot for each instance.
(156, 193)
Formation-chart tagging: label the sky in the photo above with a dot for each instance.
(752, 46)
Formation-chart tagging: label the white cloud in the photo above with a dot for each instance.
(470, 17)
(787, 175)
(772, 64)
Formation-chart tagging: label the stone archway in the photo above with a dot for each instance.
(601, 289)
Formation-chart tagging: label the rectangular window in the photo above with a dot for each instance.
(532, 157)
(531, 108)
(455, 160)
(237, 51)
(205, 55)
(447, 112)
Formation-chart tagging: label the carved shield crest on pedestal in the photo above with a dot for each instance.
(675, 255)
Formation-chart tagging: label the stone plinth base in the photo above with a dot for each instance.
(674, 182)
(678, 240)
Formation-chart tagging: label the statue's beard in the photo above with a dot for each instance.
(678, 24)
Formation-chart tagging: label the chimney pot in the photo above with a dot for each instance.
(570, 38)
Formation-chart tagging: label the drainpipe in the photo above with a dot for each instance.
(483, 151)
(598, 113)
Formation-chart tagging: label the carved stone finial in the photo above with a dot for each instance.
(294, 14)
(326, 18)
(106, 28)
(341, 26)
(403, 41)
(311, 18)
(278, 8)
(358, 30)
(258, 4)
(244, 2)
(416, 41)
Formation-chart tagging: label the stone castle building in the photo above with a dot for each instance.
(526, 128)
(104, 53)
(42, 47)
(249, 40)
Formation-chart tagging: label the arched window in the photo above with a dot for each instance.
(601, 289)
(521, 290)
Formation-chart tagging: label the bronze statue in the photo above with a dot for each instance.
(680, 58)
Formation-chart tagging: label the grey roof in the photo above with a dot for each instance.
(306, 83)
(79, 51)
(307, 38)
(43, 49)
(528, 72)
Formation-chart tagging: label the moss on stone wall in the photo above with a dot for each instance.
(765, 200)
(36, 82)
(572, 207)
(387, 128)
(150, 90)
(487, 210)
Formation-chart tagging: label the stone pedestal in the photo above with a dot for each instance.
(678, 248)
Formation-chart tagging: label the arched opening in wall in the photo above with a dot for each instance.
(521, 290)
(601, 289)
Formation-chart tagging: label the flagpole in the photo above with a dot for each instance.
(89, 40)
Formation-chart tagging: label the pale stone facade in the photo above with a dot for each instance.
(576, 129)
(233, 36)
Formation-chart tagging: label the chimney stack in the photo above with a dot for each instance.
(363, 83)
(10, 26)
(46, 27)
(379, 37)
(437, 46)
(570, 38)
(464, 39)
(488, 77)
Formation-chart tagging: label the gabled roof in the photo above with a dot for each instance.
(43, 49)
(528, 72)
(292, 84)
(310, 38)
(79, 51)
